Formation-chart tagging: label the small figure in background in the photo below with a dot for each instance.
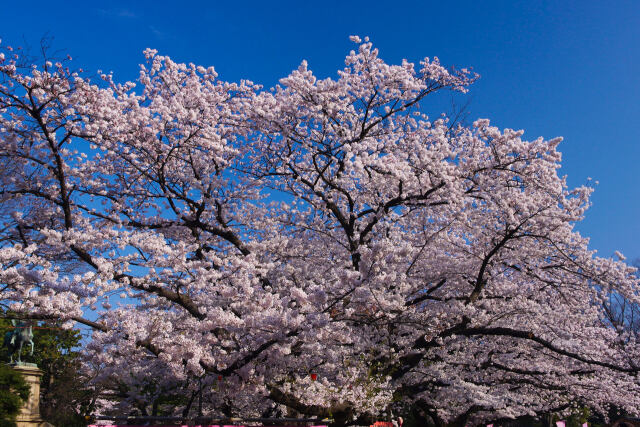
(398, 422)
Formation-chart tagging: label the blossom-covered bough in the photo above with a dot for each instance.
(235, 240)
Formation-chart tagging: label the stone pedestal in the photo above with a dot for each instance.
(29, 415)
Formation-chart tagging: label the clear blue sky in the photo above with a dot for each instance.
(556, 68)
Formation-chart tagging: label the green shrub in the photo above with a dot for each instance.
(14, 391)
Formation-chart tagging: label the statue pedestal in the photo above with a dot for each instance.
(29, 415)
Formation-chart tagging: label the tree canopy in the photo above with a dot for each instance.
(324, 247)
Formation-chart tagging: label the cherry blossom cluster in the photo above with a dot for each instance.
(324, 247)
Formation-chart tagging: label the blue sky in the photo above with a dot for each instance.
(557, 68)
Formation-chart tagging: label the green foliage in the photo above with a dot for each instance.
(14, 391)
(577, 418)
(65, 399)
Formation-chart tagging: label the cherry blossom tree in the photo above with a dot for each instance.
(323, 247)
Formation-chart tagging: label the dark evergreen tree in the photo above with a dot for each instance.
(14, 391)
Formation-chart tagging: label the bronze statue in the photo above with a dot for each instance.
(16, 338)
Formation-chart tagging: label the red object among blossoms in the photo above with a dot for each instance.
(314, 377)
